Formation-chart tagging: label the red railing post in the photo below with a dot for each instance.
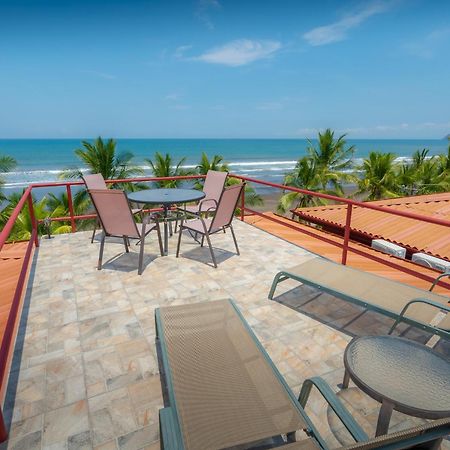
(3, 430)
(346, 233)
(70, 202)
(243, 203)
(34, 225)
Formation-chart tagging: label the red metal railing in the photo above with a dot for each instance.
(73, 218)
(345, 245)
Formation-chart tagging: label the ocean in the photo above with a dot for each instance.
(41, 160)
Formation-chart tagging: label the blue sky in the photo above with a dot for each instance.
(222, 68)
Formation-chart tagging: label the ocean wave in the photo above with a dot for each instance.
(17, 179)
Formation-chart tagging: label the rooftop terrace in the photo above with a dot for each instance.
(85, 371)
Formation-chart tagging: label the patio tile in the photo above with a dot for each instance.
(87, 368)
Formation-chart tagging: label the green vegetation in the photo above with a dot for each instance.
(326, 168)
(379, 176)
(217, 163)
(7, 163)
(164, 166)
(323, 170)
(101, 157)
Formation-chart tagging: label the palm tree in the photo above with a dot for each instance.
(164, 166)
(23, 227)
(58, 206)
(305, 175)
(424, 174)
(101, 157)
(216, 163)
(443, 164)
(380, 178)
(332, 160)
(7, 163)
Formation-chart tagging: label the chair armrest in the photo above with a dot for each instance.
(442, 275)
(168, 430)
(207, 200)
(431, 303)
(336, 405)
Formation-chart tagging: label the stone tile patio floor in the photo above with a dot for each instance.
(85, 372)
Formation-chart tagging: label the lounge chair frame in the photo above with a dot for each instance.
(171, 437)
(398, 318)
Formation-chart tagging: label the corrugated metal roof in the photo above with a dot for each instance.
(11, 259)
(411, 233)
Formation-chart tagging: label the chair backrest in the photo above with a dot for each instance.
(94, 181)
(214, 183)
(226, 207)
(114, 212)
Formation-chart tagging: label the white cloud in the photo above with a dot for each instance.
(240, 52)
(180, 51)
(427, 47)
(180, 107)
(269, 106)
(105, 76)
(337, 31)
(203, 11)
(172, 96)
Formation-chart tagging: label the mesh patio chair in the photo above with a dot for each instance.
(116, 219)
(223, 218)
(212, 187)
(96, 181)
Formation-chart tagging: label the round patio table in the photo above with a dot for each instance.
(400, 374)
(165, 197)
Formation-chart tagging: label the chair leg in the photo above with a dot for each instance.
(211, 249)
(141, 255)
(202, 241)
(126, 243)
(100, 254)
(179, 238)
(158, 231)
(93, 232)
(234, 239)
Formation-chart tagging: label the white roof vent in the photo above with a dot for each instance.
(431, 261)
(389, 247)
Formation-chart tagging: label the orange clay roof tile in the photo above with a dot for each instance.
(411, 233)
(11, 259)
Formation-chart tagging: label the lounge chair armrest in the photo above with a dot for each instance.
(436, 280)
(170, 439)
(336, 405)
(427, 302)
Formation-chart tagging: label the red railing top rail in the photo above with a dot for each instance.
(122, 180)
(387, 210)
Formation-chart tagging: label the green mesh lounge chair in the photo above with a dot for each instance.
(221, 390)
(399, 301)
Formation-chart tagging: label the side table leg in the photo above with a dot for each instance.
(346, 380)
(384, 418)
(166, 237)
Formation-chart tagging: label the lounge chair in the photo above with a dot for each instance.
(223, 217)
(96, 181)
(399, 301)
(222, 390)
(116, 219)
